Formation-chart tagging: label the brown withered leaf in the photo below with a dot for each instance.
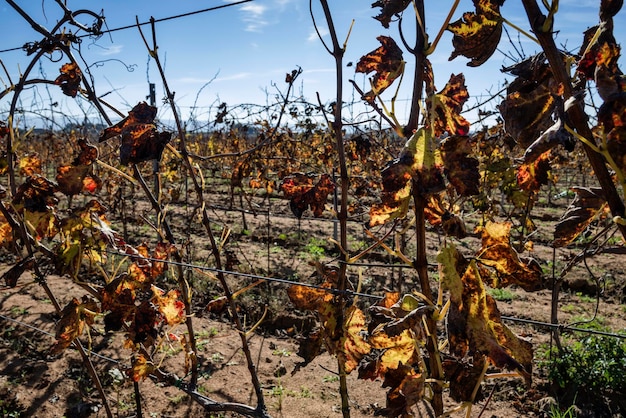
(531, 176)
(74, 316)
(396, 193)
(475, 327)
(463, 376)
(12, 275)
(445, 108)
(70, 79)
(460, 168)
(88, 153)
(529, 104)
(439, 216)
(550, 138)
(36, 194)
(389, 8)
(616, 146)
(497, 252)
(142, 142)
(588, 203)
(387, 64)
(303, 194)
(477, 34)
(417, 166)
(609, 8)
(406, 392)
(142, 113)
(70, 178)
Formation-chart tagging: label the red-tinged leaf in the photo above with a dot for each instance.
(604, 52)
(389, 9)
(172, 309)
(531, 176)
(529, 104)
(12, 275)
(76, 177)
(387, 64)
(70, 178)
(477, 34)
(475, 327)
(74, 317)
(142, 367)
(92, 184)
(496, 252)
(30, 165)
(70, 79)
(445, 108)
(303, 194)
(588, 203)
(461, 169)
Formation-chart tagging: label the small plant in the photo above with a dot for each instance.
(555, 412)
(330, 378)
(502, 295)
(591, 372)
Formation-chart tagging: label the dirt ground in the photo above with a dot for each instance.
(34, 384)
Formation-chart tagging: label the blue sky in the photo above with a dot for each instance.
(241, 54)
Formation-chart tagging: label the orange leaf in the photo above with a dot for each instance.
(172, 309)
(531, 176)
(303, 194)
(142, 367)
(30, 165)
(497, 252)
(386, 62)
(70, 79)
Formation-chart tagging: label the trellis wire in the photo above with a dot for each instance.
(358, 294)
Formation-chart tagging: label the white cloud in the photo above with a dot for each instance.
(254, 17)
(313, 35)
(112, 50)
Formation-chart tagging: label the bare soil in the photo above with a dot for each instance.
(34, 384)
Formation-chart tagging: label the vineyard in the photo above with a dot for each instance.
(285, 261)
